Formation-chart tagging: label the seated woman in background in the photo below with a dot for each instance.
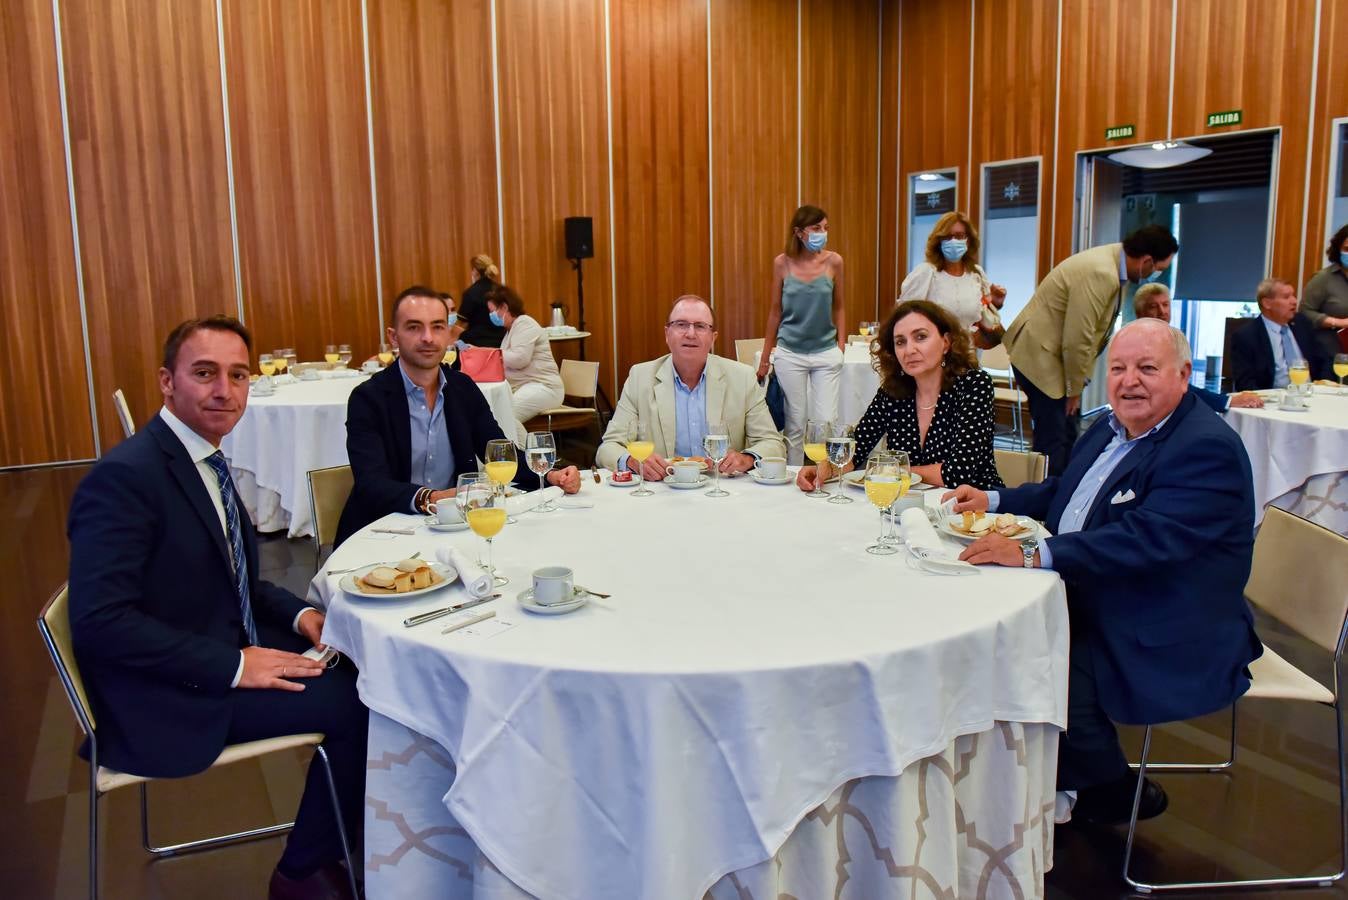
(934, 403)
(952, 278)
(530, 366)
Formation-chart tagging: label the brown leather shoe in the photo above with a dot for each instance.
(328, 883)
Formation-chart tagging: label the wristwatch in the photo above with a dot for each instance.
(1029, 549)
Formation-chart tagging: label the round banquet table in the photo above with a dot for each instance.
(1299, 459)
(299, 428)
(760, 706)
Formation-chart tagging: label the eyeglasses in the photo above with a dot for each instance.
(681, 325)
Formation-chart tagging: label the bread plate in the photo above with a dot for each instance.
(354, 589)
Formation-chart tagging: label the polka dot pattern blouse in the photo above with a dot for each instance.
(959, 436)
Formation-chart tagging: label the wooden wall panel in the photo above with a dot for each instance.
(1256, 57)
(1115, 71)
(840, 137)
(1014, 91)
(661, 205)
(434, 141)
(1331, 102)
(554, 159)
(754, 156)
(934, 101)
(44, 408)
(891, 181)
(147, 139)
(302, 173)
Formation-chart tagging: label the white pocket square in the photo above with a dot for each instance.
(1123, 496)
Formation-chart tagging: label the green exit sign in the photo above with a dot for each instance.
(1223, 118)
(1116, 132)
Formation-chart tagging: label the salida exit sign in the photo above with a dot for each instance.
(1225, 117)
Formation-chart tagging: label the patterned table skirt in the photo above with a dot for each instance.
(1323, 499)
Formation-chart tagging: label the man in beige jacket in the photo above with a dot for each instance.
(1054, 341)
(676, 395)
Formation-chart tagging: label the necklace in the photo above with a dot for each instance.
(924, 408)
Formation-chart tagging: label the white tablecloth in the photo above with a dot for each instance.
(752, 661)
(1298, 458)
(302, 427)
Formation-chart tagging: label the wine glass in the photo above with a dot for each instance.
(385, 353)
(1299, 376)
(540, 450)
(716, 444)
(451, 354)
(291, 357)
(267, 365)
(330, 354)
(882, 482)
(841, 444)
(640, 446)
(905, 482)
(502, 464)
(816, 448)
(280, 361)
(484, 512)
(344, 354)
(1341, 369)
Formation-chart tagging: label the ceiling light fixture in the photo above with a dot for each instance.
(1160, 155)
(932, 182)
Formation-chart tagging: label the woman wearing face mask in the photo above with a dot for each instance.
(1325, 300)
(952, 278)
(806, 326)
(934, 403)
(530, 366)
(478, 330)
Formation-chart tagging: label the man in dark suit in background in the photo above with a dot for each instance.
(414, 427)
(1262, 350)
(183, 648)
(1153, 525)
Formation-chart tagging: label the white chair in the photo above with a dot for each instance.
(1300, 578)
(1021, 467)
(328, 492)
(54, 625)
(123, 413)
(580, 382)
(997, 364)
(746, 349)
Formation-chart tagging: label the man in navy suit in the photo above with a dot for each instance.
(414, 427)
(183, 648)
(1262, 350)
(1153, 524)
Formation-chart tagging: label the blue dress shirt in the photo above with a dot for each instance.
(432, 459)
(690, 416)
(1280, 360)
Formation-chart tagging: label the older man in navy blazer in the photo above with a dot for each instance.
(1153, 524)
(1262, 350)
(184, 649)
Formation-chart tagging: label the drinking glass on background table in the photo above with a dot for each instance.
(344, 354)
(640, 446)
(716, 444)
(540, 450)
(451, 354)
(883, 481)
(816, 448)
(385, 354)
(291, 357)
(267, 365)
(502, 464)
(330, 354)
(1341, 369)
(279, 360)
(484, 512)
(841, 444)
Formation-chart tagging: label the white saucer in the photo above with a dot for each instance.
(702, 481)
(631, 482)
(434, 524)
(785, 479)
(579, 597)
(1279, 408)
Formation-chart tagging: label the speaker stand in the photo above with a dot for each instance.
(580, 324)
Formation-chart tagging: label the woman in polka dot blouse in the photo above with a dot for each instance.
(934, 402)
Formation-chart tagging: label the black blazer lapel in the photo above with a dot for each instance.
(399, 420)
(184, 471)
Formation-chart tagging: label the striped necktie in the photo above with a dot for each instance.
(231, 502)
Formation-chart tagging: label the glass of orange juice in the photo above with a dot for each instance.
(639, 447)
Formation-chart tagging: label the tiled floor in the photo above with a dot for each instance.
(1277, 814)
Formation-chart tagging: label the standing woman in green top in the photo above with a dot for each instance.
(806, 326)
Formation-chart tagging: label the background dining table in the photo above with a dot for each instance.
(760, 708)
(301, 427)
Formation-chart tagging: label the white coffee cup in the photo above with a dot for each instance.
(447, 511)
(687, 471)
(771, 467)
(553, 585)
(370, 366)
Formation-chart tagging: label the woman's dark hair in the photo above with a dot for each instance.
(1336, 244)
(178, 336)
(959, 358)
(500, 295)
(804, 218)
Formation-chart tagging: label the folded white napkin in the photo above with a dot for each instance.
(474, 579)
(522, 503)
(918, 532)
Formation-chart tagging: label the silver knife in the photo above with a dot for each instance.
(446, 610)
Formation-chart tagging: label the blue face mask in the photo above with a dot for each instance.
(815, 240)
(1154, 276)
(496, 319)
(452, 319)
(953, 249)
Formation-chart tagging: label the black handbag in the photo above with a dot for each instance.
(776, 400)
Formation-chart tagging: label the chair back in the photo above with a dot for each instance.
(1232, 326)
(53, 623)
(1021, 467)
(328, 491)
(746, 348)
(580, 379)
(123, 413)
(1300, 577)
(996, 359)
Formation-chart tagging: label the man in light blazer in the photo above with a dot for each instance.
(676, 395)
(1054, 341)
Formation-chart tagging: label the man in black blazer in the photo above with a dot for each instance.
(182, 647)
(414, 427)
(1259, 350)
